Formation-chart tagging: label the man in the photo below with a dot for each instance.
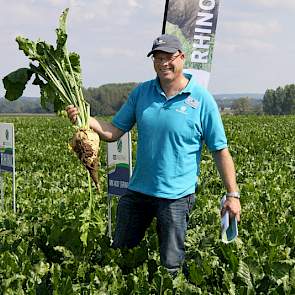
(174, 116)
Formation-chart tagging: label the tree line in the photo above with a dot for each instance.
(280, 101)
(104, 100)
(107, 100)
(240, 106)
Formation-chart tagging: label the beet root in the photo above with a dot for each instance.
(85, 143)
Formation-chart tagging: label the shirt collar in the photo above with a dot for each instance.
(187, 89)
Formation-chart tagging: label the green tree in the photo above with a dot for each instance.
(280, 101)
(280, 97)
(289, 103)
(242, 106)
(107, 99)
(269, 101)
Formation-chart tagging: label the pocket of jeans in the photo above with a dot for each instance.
(191, 202)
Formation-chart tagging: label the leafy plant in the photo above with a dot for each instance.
(58, 74)
(40, 247)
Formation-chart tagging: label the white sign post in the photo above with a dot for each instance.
(7, 158)
(119, 161)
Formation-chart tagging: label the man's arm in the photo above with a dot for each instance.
(226, 169)
(106, 131)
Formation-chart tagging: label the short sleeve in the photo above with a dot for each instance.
(125, 118)
(213, 130)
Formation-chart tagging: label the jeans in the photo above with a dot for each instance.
(135, 213)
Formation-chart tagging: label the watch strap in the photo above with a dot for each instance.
(233, 195)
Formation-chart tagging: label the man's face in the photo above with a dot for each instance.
(168, 66)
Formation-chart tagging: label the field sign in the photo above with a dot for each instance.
(119, 162)
(7, 157)
(119, 165)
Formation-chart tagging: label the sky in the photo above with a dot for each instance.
(254, 47)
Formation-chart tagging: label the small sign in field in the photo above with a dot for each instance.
(119, 170)
(7, 158)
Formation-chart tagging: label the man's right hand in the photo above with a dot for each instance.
(106, 130)
(72, 112)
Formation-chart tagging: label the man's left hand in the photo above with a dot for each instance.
(233, 206)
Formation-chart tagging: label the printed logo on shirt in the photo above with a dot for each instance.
(192, 102)
(182, 110)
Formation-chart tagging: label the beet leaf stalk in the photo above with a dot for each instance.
(58, 74)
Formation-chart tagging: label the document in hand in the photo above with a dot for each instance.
(229, 226)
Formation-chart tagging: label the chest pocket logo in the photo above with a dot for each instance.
(192, 102)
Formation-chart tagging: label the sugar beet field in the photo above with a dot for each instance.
(41, 248)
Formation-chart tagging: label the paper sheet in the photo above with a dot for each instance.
(229, 226)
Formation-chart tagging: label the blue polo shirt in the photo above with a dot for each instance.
(171, 133)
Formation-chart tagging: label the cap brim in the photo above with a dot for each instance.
(164, 49)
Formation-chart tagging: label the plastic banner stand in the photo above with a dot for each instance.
(7, 159)
(119, 162)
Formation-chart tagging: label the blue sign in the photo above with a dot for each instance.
(6, 160)
(118, 180)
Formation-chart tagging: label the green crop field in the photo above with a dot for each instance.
(41, 248)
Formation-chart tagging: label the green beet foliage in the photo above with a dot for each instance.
(56, 71)
(40, 247)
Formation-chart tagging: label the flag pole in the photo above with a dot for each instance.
(165, 17)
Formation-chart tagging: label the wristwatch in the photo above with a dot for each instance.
(233, 195)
